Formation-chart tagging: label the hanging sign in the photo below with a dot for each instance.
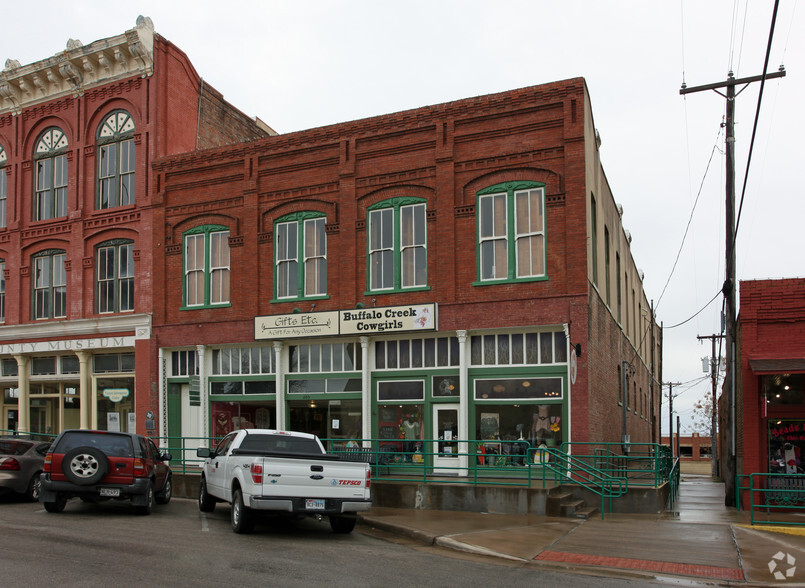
(115, 394)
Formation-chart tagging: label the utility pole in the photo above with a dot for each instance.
(714, 416)
(671, 413)
(729, 464)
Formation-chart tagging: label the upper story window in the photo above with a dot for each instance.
(511, 232)
(50, 285)
(115, 276)
(301, 256)
(50, 165)
(398, 244)
(116, 161)
(3, 187)
(206, 266)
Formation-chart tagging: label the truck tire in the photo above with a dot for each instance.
(206, 503)
(57, 505)
(164, 495)
(145, 509)
(85, 466)
(342, 524)
(242, 516)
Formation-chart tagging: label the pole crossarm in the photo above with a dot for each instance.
(731, 81)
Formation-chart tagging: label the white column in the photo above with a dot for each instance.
(278, 347)
(464, 404)
(24, 390)
(204, 391)
(84, 389)
(366, 393)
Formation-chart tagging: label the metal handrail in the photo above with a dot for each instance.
(774, 493)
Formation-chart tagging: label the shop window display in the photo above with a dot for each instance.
(336, 422)
(401, 431)
(231, 416)
(506, 432)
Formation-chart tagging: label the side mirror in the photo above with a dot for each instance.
(165, 457)
(203, 452)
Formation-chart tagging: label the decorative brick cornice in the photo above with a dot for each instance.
(48, 231)
(173, 249)
(305, 192)
(202, 207)
(464, 211)
(112, 220)
(88, 262)
(265, 237)
(386, 179)
(236, 241)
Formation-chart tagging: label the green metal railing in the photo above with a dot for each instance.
(642, 464)
(775, 495)
(26, 435)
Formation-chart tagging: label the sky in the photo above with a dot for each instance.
(306, 63)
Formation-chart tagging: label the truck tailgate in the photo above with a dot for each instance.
(307, 478)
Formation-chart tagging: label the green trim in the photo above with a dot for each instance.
(299, 219)
(205, 230)
(396, 204)
(299, 216)
(509, 189)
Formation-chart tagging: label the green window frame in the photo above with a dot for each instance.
(300, 257)
(511, 233)
(114, 285)
(116, 161)
(397, 245)
(50, 175)
(206, 267)
(49, 282)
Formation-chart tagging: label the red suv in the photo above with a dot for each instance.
(99, 465)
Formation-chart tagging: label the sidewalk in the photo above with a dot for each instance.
(701, 540)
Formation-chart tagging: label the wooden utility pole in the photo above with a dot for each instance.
(714, 361)
(729, 284)
(671, 413)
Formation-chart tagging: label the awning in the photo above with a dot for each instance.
(777, 366)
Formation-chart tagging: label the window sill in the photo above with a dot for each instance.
(509, 281)
(300, 299)
(396, 291)
(206, 306)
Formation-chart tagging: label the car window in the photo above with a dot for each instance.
(223, 446)
(42, 448)
(280, 443)
(154, 451)
(110, 443)
(12, 447)
(144, 449)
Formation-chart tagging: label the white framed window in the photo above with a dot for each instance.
(397, 247)
(511, 232)
(206, 267)
(116, 160)
(50, 175)
(50, 285)
(300, 256)
(115, 277)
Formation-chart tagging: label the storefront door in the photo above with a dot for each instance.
(446, 459)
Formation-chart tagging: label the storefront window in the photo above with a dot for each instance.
(336, 422)
(116, 404)
(401, 430)
(445, 386)
(231, 416)
(518, 427)
(786, 444)
(518, 389)
(784, 389)
(243, 387)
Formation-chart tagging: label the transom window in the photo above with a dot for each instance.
(518, 348)
(116, 160)
(324, 357)
(206, 263)
(3, 187)
(417, 353)
(398, 253)
(115, 276)
(50, 285)
(242, 360)
(50, 198)
(511, 231)
(184, 362)
(301, 256)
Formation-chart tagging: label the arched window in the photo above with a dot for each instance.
(49, 284)
(3, 187)
(115, 276)
(115, 160)
(206, 266)
(50, 200)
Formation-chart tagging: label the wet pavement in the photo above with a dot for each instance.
(699, 541)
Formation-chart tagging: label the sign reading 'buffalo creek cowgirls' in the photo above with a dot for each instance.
(358, 321)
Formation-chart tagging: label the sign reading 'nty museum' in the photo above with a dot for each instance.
(360, 321)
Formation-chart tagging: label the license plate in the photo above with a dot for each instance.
(314, 504)
(110, 491)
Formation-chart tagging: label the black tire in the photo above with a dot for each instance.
(164, 495)
(34, 488)
(85, 466)
(206, 503)
(342, 524)
(145, 509)
(242, 516)
(57, 505)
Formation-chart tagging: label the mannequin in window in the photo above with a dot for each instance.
(411, 428)
(541, 423)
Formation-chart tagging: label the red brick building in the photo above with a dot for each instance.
(770, 406)
(427, 274)
(78, 132)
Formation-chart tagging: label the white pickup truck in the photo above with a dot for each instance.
(284, 472)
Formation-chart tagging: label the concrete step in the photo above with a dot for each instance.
(568, 508)
(586, 512)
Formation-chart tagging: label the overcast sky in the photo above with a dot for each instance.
(302, 64)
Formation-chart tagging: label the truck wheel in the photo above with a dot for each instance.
(342, 524)
(242, 517)
(206, 503)
(85, 466)
(57, 505)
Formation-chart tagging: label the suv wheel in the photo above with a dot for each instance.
(242, 517)
(145, 509)
(206, 503)
(85, 465)
(164, 495)
(57, 505)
